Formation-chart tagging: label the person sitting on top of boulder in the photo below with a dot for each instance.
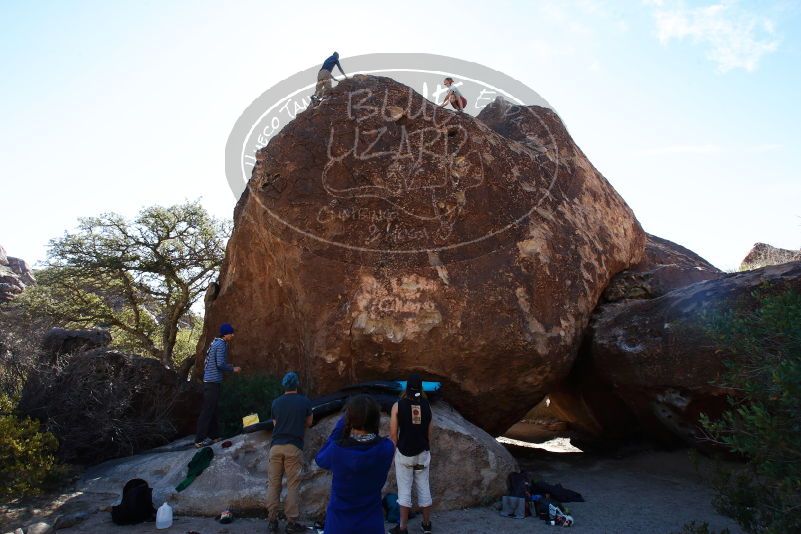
(208, 427)
(453, 96)
(360, 460)
(324, 77)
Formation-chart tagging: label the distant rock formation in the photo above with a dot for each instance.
(469, 469)
(381, 235)
(15, 275)
(762, 254)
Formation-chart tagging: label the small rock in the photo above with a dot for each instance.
(39, 528)
(70, 520)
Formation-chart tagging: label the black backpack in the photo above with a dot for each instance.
(136, 505)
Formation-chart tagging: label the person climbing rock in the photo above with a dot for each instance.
(292, 415)
(325, 76)
(208, 425)
(410, 428)
(453, 96)
(359, 459)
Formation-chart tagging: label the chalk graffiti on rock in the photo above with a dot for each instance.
(407, 159)
(393, 171)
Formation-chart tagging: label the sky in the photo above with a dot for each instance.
(690, 109)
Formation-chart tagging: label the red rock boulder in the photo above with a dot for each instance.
(666, 266)
(652, 366)
(381, 235)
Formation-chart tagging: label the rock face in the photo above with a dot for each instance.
(589, 406)
(15, 275)
(651, 365)
(103, 403)
(762, 254)
(666, 266)
(237, 477)
(381, 235)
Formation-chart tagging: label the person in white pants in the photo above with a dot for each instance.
(410, 428)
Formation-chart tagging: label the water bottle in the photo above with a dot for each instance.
(164, 516)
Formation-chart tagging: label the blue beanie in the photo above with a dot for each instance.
(226, 329)
(290, 381)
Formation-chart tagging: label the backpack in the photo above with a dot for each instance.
(391, 508)
(136, 505)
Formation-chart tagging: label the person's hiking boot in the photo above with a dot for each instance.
(293, 527)
(274, 525)
(397, 530)
(426, 527)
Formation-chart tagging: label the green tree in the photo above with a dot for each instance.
(763, 423)
(137, 277)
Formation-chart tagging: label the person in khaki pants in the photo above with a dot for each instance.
(325, 76)
(292, 415)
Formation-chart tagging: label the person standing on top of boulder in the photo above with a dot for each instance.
(453, 96)
(410, 428)
(208, 426)
(324, 77)
(292, 415)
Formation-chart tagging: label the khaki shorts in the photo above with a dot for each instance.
(413, 471)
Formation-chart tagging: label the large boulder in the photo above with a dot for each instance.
(104, 403)
(468, 468)
(380, 235)
(591, 411)
(762, 254)
(665, 267)
(59, 341)
(652, 366)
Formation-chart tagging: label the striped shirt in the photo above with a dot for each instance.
(216, 361)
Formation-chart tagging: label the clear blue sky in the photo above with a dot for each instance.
(690, 109)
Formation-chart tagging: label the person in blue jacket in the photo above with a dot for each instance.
(360, 460)
(208, 428)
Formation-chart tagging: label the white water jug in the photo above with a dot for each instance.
(164, 516)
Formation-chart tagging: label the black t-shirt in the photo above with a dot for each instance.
(414, 418)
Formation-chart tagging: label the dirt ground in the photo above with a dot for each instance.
(648, 492)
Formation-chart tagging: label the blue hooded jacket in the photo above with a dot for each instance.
(360, 471)
(216, 361)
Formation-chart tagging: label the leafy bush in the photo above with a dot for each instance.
(27, 461)
(763, 423)
(243, 395)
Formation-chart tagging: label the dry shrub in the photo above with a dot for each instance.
(103, 404)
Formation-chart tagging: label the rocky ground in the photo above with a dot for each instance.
(648, 492)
